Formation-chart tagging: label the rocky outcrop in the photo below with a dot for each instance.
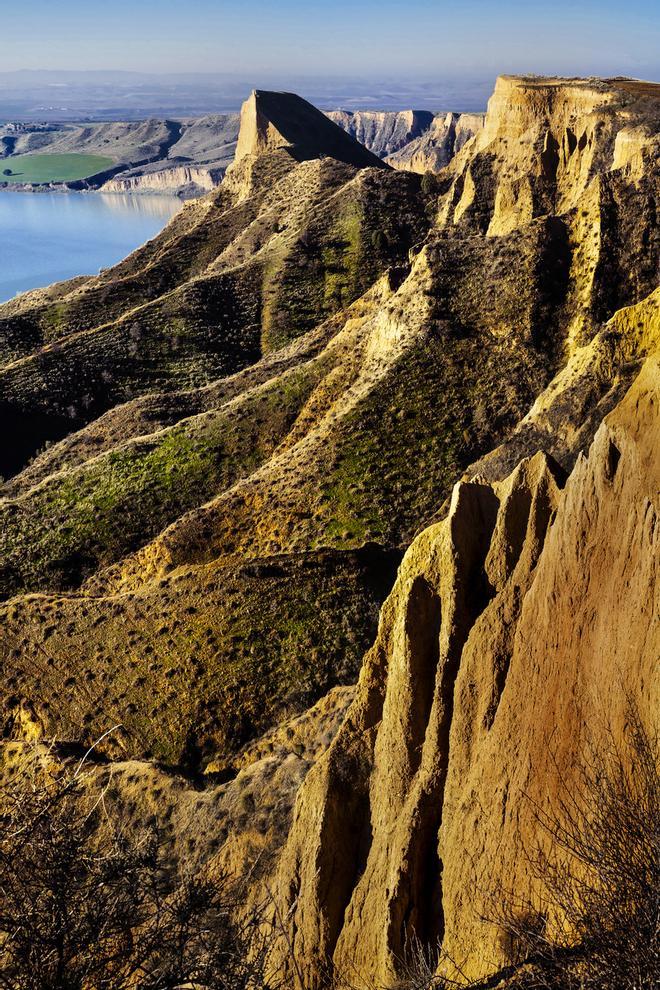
(546, 143)
(383, 132)
(516, 629)
(436, 147)
(273, 121)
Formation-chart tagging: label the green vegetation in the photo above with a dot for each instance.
(100, 511)
(54, 168)
(195, 664)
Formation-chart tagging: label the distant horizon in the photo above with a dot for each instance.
(371, 38)
(62, 95)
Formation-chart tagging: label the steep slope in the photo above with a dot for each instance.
(225, 821)
(516, 632)
(302, 364)
(276, 249)
(271, 121)
(383, 132)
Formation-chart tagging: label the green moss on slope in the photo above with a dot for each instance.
(198, 663)
(62, 530)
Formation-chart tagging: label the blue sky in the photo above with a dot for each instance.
(369, 38)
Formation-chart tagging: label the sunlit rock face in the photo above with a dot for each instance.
(222, 448)
(518, 632)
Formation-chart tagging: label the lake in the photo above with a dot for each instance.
(47, 237)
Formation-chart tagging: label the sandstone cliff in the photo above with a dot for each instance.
(436, 147)
(515, 631)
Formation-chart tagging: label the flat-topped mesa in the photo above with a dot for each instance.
(544, 142)
(272, 121)
(518, 101)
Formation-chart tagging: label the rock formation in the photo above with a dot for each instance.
(271, 121)
(184, 180)
(383, 132)
(241, 428)
(437, 145)
(517, 631)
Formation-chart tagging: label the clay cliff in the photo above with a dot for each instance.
(223, 447)
(437, 145)
(190, 156)
(383, 132)
(518, 629)
(271, 121)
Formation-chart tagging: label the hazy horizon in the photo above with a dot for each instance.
(72, 61)
(59, 95)
(373, 39)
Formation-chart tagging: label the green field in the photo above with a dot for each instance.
(52, 168)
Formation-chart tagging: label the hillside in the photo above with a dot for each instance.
(190, 156)
(184, 156)
(335, 410)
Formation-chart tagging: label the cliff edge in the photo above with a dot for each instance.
(271, 121)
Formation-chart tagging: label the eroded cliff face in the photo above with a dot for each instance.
(542, 145)
(383, 132)
(189, 180)
(270, 121)
(256, 384)
(515, 631)
(436, 147)
(261, 408)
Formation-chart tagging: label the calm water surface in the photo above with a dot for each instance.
(46, 237)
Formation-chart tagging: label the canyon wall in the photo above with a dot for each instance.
(383, 132)
(436, 147)
(524, 623)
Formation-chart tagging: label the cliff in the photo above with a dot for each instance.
(252, 385)
(185, 180)
(436, 147)
(382, 132)
(517, 632)
(271, 121)
(223, 446)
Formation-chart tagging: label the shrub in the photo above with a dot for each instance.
(601, 876)
(85, 904)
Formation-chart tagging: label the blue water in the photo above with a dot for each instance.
(47, 237)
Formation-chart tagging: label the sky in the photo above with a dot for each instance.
(366, 38)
